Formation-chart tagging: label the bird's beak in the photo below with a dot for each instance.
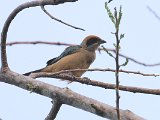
(102, 41)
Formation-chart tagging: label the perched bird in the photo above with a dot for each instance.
(74, 57)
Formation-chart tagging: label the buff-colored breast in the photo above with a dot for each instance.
(79, 60)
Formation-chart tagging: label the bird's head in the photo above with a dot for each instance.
(92, 42)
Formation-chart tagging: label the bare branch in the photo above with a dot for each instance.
(97, 83)
(54, 110)
(21, 7)
(66, 44)
(131, 59)
(104, 70)
(153, 12)
(38, 42)
(66, 96)
(56, 19)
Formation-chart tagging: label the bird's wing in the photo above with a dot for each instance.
(68, 51)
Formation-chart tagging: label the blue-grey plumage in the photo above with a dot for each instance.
(74, 57)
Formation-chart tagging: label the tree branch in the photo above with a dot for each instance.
(66, 96)
(21, 7)
(97, 83)
(153, 12)
(104, 70)
(66, 44)
(38, 42)
(129, 58)
(54, 110)
(117, 47)
(58, 20)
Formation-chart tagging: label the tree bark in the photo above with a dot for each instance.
(66, 96)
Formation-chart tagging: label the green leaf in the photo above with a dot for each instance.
(116, 18)
(121, 36)
(109, 13)
(119, 18)
(119, 47)
(114, 45)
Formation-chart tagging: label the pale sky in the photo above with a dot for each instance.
(141, 42)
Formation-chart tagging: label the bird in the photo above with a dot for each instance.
(73, 57)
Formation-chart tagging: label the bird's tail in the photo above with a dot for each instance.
(35, 71)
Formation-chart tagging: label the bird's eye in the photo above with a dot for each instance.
(91, 42)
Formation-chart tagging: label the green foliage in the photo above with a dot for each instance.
(120, 14)
(114, 45)
(119, 17)
(121, 36)
(119, 47)
(110, 13)
(116, 18)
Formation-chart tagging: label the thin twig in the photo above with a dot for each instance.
(7, 23)
(38, 42)
(107, 69)
(140, 63)
(54, 110)
(97, 83)
(153, 12)
(117, 64)
(129, 58)
(58, 20)
(66, 44)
